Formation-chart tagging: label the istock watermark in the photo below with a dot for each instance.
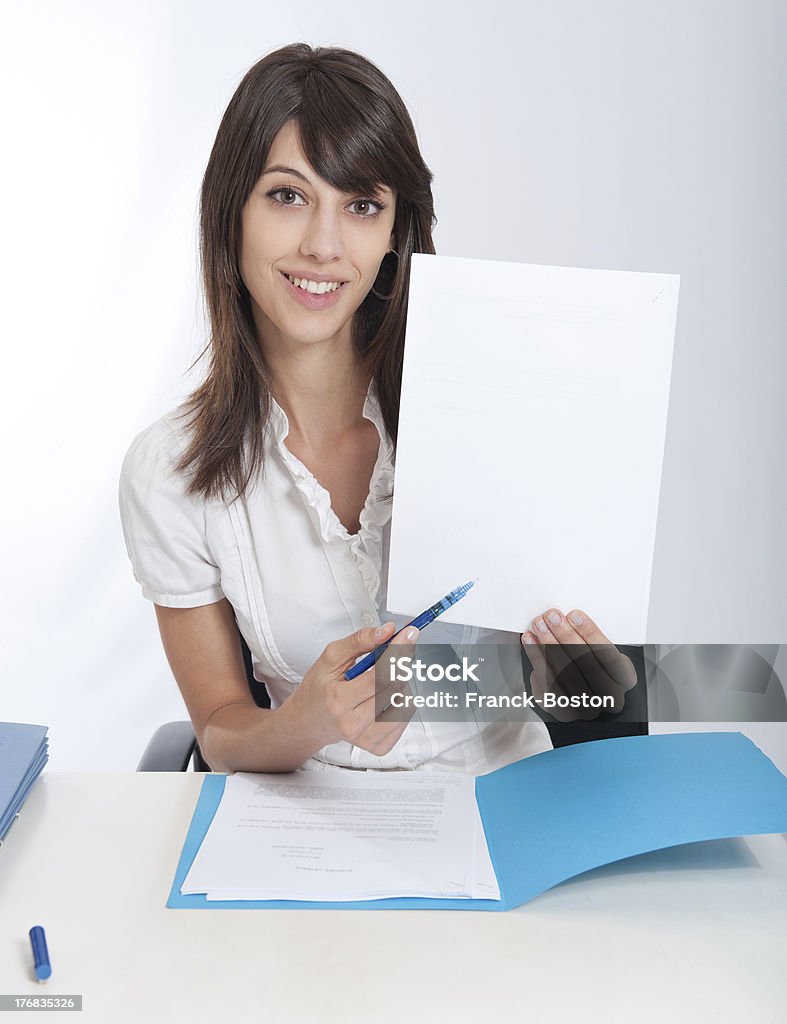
(485, 683)
(405, 670)
(474, 700)
(493, 682)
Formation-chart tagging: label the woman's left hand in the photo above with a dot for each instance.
(571, 657)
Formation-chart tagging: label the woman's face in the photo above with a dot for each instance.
(296, 226)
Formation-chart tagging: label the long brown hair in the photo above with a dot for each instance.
(357, 135)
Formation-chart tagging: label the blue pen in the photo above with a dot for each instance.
(40, 953)
(419, 622)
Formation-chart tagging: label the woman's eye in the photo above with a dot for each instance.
(288, 196)
(365, 207)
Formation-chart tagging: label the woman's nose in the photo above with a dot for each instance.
(323, 236)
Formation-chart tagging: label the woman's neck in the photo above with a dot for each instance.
(322, 392)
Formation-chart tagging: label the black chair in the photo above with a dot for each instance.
(173, 745)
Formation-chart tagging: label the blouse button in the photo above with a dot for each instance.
(367, 618)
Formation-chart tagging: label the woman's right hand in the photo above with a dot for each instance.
(332, 708)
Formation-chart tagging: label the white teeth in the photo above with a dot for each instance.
(313, 286)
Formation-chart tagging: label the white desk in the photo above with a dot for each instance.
(694, 934)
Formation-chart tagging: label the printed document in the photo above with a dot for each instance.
(531, 436)
(340, 835)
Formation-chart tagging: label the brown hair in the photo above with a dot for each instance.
(357, 135)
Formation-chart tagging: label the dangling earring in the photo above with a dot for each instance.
(385, 298)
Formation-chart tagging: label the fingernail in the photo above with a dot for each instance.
(576, 618)
(411, 633)
(555, 618)
(381, 631)
(528, 639)
(540, 625)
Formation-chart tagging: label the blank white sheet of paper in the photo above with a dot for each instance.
(531, 439)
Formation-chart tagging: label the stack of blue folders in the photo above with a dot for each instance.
(24, 750)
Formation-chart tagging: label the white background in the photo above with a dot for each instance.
(610, 134)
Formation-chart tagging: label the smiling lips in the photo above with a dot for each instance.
(312, 294)
(315, 287)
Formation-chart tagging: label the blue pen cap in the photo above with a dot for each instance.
(40, 953)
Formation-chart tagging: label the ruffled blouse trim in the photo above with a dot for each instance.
(365, 545)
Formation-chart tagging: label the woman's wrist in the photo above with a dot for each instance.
(304, 723)
(245, 738)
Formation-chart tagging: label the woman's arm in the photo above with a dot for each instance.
(203, 649)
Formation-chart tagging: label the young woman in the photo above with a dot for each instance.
(262, 505)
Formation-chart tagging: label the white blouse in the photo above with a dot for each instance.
(296, 580)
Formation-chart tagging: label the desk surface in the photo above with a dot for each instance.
(694, 933)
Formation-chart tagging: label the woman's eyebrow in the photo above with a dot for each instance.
(278, 169)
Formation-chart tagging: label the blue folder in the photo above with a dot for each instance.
(23, 754)
(557, 814)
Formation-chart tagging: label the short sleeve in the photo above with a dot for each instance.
(163, 526)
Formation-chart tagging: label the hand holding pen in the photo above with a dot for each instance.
(327, 708)
(340, 696)
(419, 622)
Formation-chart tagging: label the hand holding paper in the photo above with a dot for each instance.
(570, 656)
